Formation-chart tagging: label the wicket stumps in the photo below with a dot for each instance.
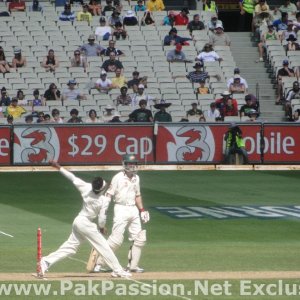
(39, 252)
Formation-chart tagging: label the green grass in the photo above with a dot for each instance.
(49, 201)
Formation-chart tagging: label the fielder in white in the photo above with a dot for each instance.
(95, 205)
(128, 213)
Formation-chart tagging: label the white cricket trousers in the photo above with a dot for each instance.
(84, 229)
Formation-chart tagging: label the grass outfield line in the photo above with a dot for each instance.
(156, 276)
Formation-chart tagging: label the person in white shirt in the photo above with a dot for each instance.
(208, 54)
(236, 71)
(103, 31)
(128, 213)
(94, 207)
(140, 95)
(213, 112)
(103, 85)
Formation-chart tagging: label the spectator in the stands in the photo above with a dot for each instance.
(210, 6)
(50, 62)
(195, 24)
(242, 80)
(172, 38)
(208, 54)
(71, 92)
(67, 14)
(136, 80)
(246, 108)
(169, 19)
(4, 66)
(140, 6)
(260, 7)
(91, 49)
(111, 48)
(281, 24)
(176, 55)
(103, 31)
(37, 100)
(29, 119)
(118, 5)
(108, 7)
(124, 98)
(162, 115)
(287, 7)
(212, 112)
(103, 84)
(292, 43)
(115, 118)
(10, 120)
(155, 5)
(198, 75)
(93, 118)
(4, 99)
(246, 14)
(21, 98)
(130, 19)
(182, 18)
(147, 19)
(141, 114)
(16, 5)
(286, 34)
(296, 116)
(108, 113)
(194, 114)
(14, 109)
(79, 60)
(40, 117)
(293, 93)
(297, 21)
(47, 118)
(227, 105)
(298, 4)
(270, 35)
(95, 8)
(214, 21)
(74, 116)
(202, 89)
(237, 87)
(119, 31)
(114, 19)
(52, 93)
(111, 64)
(119, 80)
(262, 19)
(283, 72)
(35, 6)
(19, 60)
(56, 116)
(142, 95)
(84, 15)
(219, 37)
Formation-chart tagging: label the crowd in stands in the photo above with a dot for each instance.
(182, 30)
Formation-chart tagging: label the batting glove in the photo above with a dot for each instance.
(145, 216)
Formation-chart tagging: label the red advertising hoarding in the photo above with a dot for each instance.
(5, 145)
(201, 143)
(282, 143)
(81, 144)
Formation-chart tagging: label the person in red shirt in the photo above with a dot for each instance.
(182, 18)
(227, 105)
(16, 5)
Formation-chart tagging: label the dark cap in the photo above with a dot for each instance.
(285, 62)
(173, 30)
(248, 98)
(102, 19)
(198, 65)
(236, 70)
(67, 6)
(135, 73)
(3, 89)
(124, 88)
(186, 10)
(74, 111)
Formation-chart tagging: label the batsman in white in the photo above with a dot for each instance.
(94, 207)
(128, 213)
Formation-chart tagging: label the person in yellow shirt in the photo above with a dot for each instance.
(84, 15)
(119, 80)
(155, 5)
(14, 109)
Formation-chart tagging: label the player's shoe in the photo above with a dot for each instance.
(43, 267)
(136, 270)
(121, 273)
(99, 268)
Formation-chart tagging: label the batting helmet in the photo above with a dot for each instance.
(130, 163)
